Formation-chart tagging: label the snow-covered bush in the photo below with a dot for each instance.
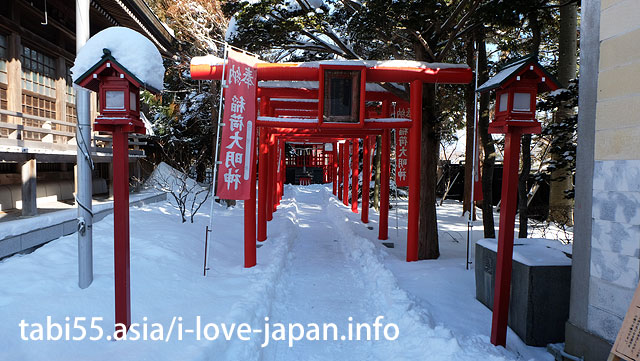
(188, 194)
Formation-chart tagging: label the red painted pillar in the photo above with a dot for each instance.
(250, 218)
(355, 162)
(334, 171)
(505, 236)
(270, 176)
(345, 174)
(121, 228)
(283, 170)
(366, 179)
(340, 169)
(262, 185)
(278, 175)
(385, 152)
(415, 139)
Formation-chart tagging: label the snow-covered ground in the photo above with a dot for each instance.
(320, 264)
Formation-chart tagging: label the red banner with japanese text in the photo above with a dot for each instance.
(402, 157)
(238, 134)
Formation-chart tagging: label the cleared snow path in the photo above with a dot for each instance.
(319, 285)
(333, 274)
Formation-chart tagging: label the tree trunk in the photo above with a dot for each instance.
(523, 190)
(376, 163)
(429, 154)
(468, 156)
(561, 208)
(488, 146)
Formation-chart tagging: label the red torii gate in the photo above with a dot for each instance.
(276, 123)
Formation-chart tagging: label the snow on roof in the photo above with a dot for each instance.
(502, 75)
(287, 119)
(535, 251)
(387, 120)
(311, 85)
(384, 64)
(207, 60)
(131, 49)
(295, 100)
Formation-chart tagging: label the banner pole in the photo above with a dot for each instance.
(215, 156)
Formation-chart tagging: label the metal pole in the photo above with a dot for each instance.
(215, 157)
(475, 171)
(83, 159)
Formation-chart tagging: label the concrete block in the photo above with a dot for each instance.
(40, 236)
(99, 186)
(581, 343)
(41, 190)
(539, 302)
(69, 227)
(9, 246)
(66, 190)
(6, 198)
(53, 189)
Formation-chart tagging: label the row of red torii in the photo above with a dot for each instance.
(322, 102)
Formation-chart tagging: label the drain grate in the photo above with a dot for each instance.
(388, 244)
(370, 228)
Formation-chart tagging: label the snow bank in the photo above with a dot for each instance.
(130, 48)
(420, 338)
(166, 281)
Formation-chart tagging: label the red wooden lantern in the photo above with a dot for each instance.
(517, 86)
(119, 94)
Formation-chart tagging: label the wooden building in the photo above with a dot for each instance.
(37, 100)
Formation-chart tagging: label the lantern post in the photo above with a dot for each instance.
(516, 86)
(119, 94)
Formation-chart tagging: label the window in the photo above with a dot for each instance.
(3, 59)
(342, 96)
(38, 72)
(132, 101)
(114, 100)
(71, 116)
(3, 105)
(71, 93)
(522, 102)
(34, 105)
(504, 97)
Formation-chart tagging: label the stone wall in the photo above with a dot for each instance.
(615, 235)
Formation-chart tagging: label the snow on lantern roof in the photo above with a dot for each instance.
(516, 68)
(131, 50)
